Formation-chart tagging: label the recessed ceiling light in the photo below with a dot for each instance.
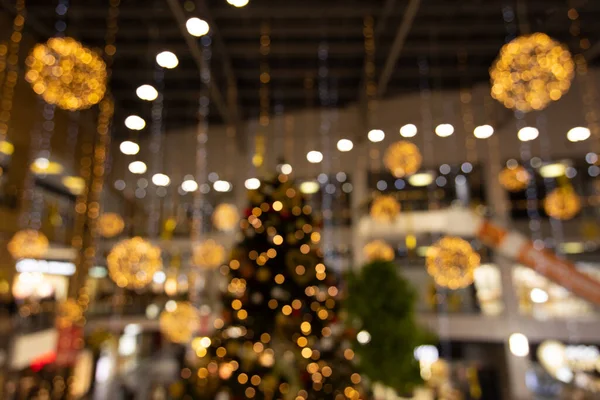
(161, 180)
(578, 134)
(137, 167)
(376, 135)
(238, 3)
(129, 148)
(167, 60)
(528, 133)
(135, 123)
(421, 179)
(189, 185)
(345, 145)
(147, 92)
(444, 130)
(483, 132)
(222, 186)
(197, 27)
(314, 157)
(252, 184)
(309, 187)
(408, 131)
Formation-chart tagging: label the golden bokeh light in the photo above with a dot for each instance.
(562, 203)
(452, 262)
(69, 313)
(208, 254)
(67, 74)
(385, 208)
(378, 250)
(226, 217)
(28, 243)
(133, 262)
(110, 225)
(402, 158)
(531, 72)
(179, 323)
(514, 179)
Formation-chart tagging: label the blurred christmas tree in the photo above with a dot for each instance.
(381, 307)
(280, 336)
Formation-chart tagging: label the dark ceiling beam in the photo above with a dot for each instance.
(309, 10)
(31, 21)
(194, 49)
(348, 50)
(399, 43)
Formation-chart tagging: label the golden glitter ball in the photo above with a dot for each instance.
(452, 262)
(28, 243)
(562, 203)
(385, 208)
(69, 313)
(179, 322)
(226, 217)
(514, 179)
(531, 72)
(402, 158)
(67, 74)
(378, 250)
(208, 254)
(133, 262)
(110, 225)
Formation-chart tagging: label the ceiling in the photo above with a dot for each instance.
(417, 42)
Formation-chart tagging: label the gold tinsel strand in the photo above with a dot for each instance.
(67, 74)
(402, 158)
(452, 262)
(531, 72)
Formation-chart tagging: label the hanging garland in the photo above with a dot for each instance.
(452, 262)
(402, 158)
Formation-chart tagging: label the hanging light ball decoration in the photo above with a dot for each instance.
(402, 158)
(531, 72)
(208, 254)
(226, 217)
(378, 250)
(451, 262)
(133, 262)
(385, 208)
(28, 243)
(110, 225)
(69, 313)
(179, 322)
(67, 74)
(562, 203)
(514, 179)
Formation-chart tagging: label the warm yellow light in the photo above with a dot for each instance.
(110, 225)
(309, 187)
(578, 134)
(147, 93)
(208, 254)
(483, 131)
(444, 130)
(345, 145)
(238, 3)
(226, 217)
(75, 184)
(553, 170)
(133, 262)
(135, 123)
(519, 345)
(422, 179)
(129, 148)
(451, 262)
(7, 148)
(514, 179)
(43, 166)
(167, 60)
(180, 324)
(385, 208)
(28, 244)
(402, 158)
(197, 27)
(65, 73)
(531, 72)
(562, 203)
(378, 250)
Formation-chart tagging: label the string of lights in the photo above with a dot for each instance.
(9, 69)
(265, 96)
(371, 91)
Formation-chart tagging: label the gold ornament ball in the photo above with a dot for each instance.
(133, 262)
(110, 225)
(28, 243)
(208, 254)
(514, 179)
(67, 74)
(385, 208)
(562, 203)
(226, 217)
(402, 158)
(378, 250)
(452, 262)
(69, 313)
(180, 323)
(531, 72)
